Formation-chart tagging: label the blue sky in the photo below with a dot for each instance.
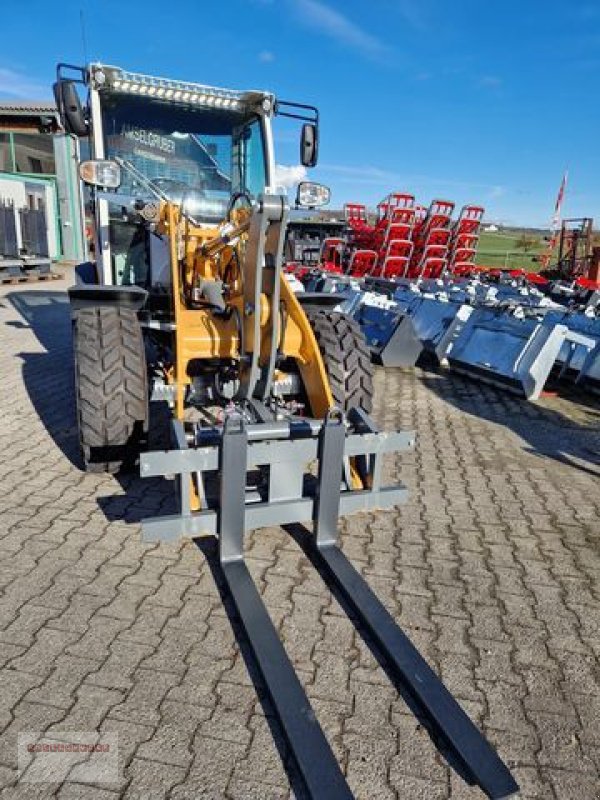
(470, 101)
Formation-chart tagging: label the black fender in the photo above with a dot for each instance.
(87, 295)
(324, 299)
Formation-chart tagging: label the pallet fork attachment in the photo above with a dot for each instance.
(283, 450)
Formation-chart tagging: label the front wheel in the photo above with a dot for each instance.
(346, 357)
(111, 386)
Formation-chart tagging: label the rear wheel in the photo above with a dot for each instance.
(346, 357)
(111, 385)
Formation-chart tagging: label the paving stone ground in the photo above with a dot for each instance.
(493, 569)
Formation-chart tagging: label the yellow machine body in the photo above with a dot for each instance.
(197, 253)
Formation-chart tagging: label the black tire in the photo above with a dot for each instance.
(111, 386)
(346, 357)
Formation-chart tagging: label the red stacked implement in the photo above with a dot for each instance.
(362, 263)
(408, 240)
(465, 237)
(332, 253)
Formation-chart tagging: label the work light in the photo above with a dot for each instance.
(117, 80)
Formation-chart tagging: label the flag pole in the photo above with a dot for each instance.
(556, 221)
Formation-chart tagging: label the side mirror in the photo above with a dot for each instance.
(69, 106)
(309, 145)
(312, 195)
(106, 174)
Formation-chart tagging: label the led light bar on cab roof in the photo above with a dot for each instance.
(118, 80)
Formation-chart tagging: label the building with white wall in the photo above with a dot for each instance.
(38, 173)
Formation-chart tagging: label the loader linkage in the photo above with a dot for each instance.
(288, 495)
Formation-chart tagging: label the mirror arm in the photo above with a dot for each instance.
(312, 117)
(60, 70)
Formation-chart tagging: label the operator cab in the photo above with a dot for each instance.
(200, 147)
(196, 157)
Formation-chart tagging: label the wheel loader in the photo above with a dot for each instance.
(185, 303)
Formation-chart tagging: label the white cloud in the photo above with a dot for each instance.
(334, 24)
(16, 84)
(360, 174)
(395, 181)
(287, 177)
(266, 56)
(490, 81)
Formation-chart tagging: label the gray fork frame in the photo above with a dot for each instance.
(287, 448)
(287, 459)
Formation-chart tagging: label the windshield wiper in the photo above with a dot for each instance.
(147, 184)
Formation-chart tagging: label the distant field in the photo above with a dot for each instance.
(500, 250)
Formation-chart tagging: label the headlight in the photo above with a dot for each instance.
(101, 173)
(312, 195)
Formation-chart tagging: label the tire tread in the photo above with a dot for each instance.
(346, 357)
(111, 386)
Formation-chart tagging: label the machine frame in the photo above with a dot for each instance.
(258, 455)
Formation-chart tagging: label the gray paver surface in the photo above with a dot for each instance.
(493, 569)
